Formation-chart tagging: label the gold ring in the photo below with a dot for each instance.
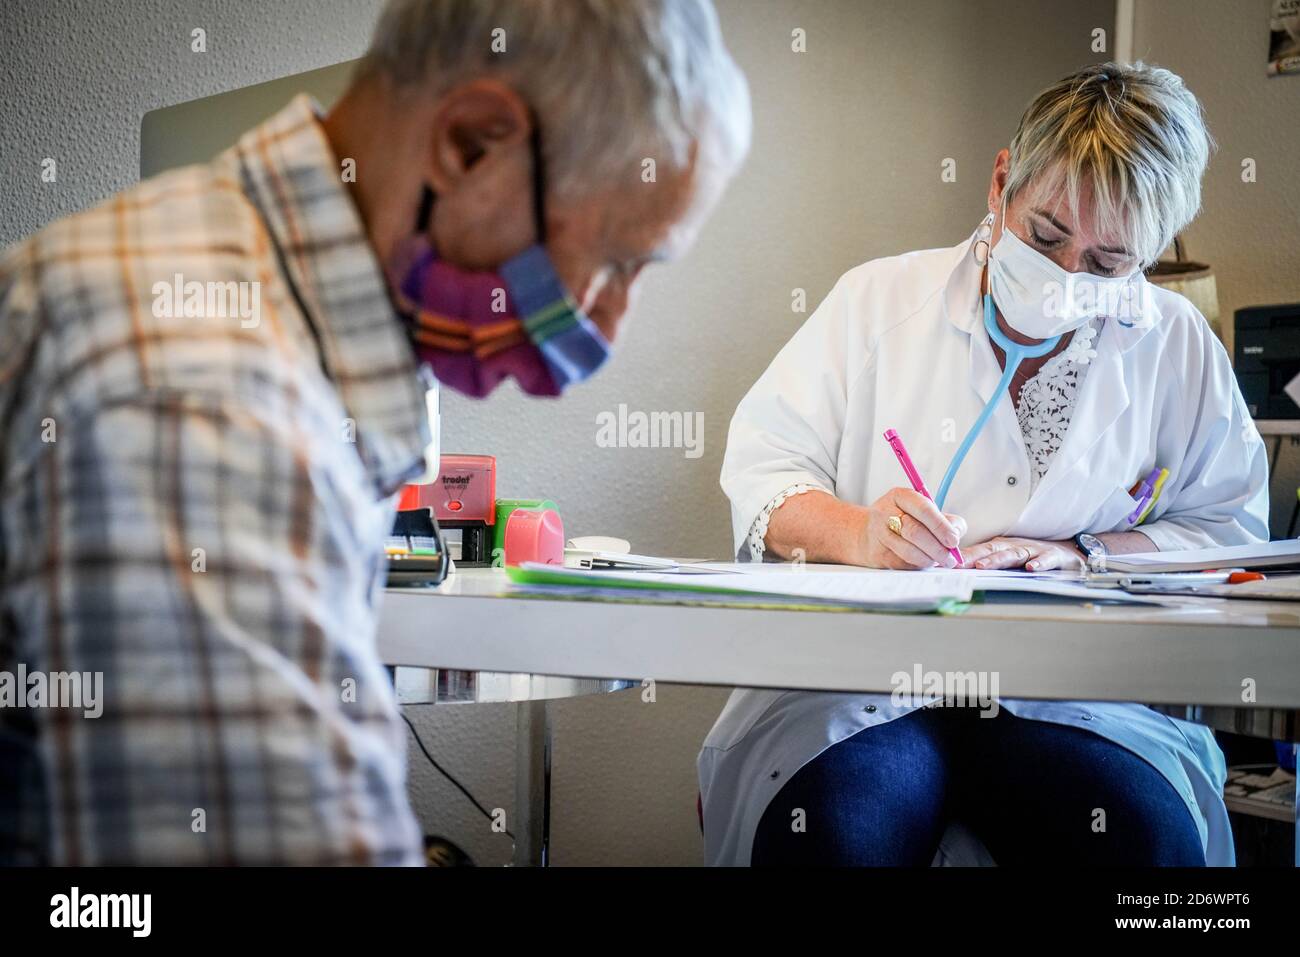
(896, 524)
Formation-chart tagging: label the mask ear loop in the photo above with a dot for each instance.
(425, 212)
(405, 308)
(539, 183)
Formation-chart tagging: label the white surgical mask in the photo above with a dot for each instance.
(1039, 299)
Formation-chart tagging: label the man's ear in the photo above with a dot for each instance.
(473, 121)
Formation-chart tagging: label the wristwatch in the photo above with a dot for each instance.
(1094, 549)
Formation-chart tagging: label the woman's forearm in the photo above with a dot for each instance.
(816, 527)
(1126, 543)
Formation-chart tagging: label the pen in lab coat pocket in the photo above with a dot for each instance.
(1143, 492)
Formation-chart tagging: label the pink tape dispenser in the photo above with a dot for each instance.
(534, 535)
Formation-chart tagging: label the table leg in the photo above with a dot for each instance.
(1295, 749)
(1277, 452)
(532, 825)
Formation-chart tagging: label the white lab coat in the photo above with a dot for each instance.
(899, 343)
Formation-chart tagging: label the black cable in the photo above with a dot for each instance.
(446, 774)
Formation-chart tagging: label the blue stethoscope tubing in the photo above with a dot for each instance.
(1015, 354)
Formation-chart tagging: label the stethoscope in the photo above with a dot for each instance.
(1015, 353)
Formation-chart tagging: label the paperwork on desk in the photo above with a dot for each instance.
(868, 589)
(1280, 554)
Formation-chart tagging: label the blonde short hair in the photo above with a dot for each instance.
(1134, 133)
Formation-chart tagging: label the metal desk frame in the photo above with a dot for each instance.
(531, 694)
(1281, 429)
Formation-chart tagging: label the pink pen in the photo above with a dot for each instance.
(913, 476)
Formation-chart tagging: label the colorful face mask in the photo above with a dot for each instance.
(477, 328)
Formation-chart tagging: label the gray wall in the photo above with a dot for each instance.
(849, 139)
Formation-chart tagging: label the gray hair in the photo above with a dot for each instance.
(612, 82)
(1135, 133)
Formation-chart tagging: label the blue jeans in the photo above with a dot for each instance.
(1031, 791)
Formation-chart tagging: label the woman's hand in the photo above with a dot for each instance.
(1027, 553)
(924, 538)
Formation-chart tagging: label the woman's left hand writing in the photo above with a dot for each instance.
(1027, 553)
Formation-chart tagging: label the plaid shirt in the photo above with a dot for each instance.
(196, 491)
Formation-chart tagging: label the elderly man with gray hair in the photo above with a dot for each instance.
(195, 505)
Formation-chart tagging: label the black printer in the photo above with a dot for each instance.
(1267, 358)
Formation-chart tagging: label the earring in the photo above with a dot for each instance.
(983, 237)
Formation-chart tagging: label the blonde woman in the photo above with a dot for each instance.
(1034, 370)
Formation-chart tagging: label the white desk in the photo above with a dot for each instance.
(1197, 654)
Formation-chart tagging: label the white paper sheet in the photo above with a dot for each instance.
(863, 587)
(868, 588)
(1263, 555)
